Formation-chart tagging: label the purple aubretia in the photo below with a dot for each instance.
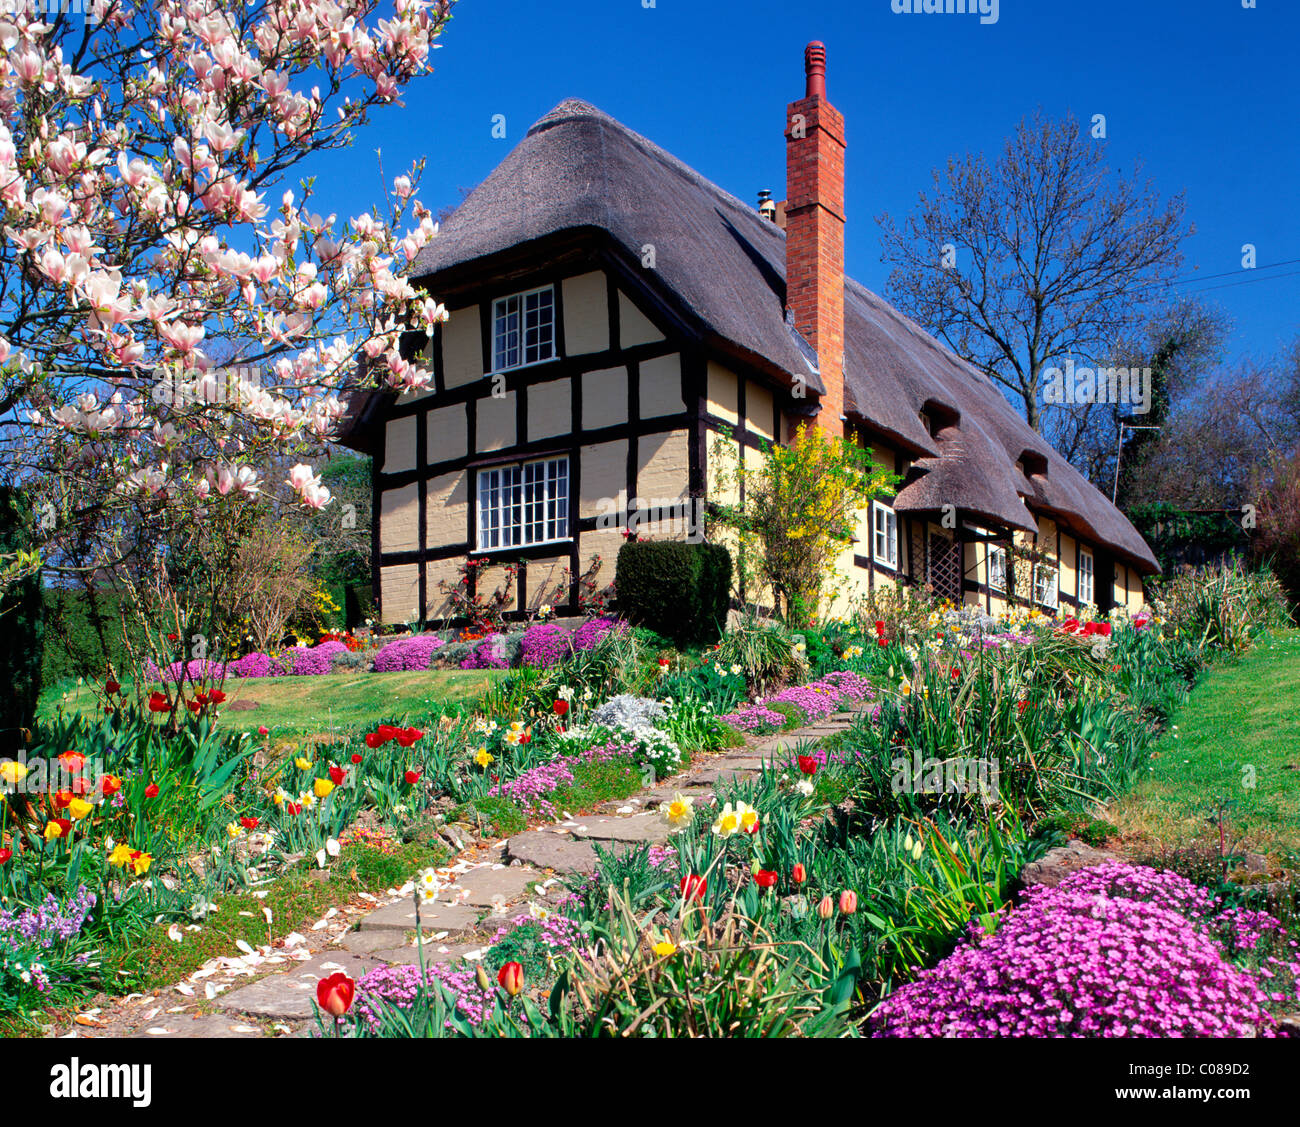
(1115, 951)
(408, 654)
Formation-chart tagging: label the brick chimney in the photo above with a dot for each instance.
(814, 229)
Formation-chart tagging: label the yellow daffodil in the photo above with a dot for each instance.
(663, 949)
(680, 812)
(234, 829)
(483, 758)
(120, 856)
(322, 788)
(79, 808)
(302, 763)
(278, 797)
(140, 863)
(748, 817)
(307, 800)
(728, 822)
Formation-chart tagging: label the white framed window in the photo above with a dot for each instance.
(523, 504)
(885, 535)
(997, 562)
(1087, 571)
(1045, 585)
(523, 329)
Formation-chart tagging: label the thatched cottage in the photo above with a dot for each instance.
(612, 310)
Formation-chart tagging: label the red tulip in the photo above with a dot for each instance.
(112, 687)
(249, 823)
(263, 731)
(158, 703)
(373, 740)
(72, 761)
(216, 696)
(560, 707)
(5, 854)
(356, 757)
(335, 993)
(194, 705)
(765, 878)
(151, 791)
(337, 775)
(387, 732)
(880, 627)
(61, 799)
(848, 902)
(882, 641)
(826, 908)
(65, 826)
(693, 887)
(798, 874)
(807, 764)
(109, 785)
(511, 978)
(412, 777)
(407, 736)
(173, 637)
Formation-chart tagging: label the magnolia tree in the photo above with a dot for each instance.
(175, 318)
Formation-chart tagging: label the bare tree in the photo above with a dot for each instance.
(1045, 255)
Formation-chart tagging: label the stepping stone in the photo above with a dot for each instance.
(291, 995)
(718, 775)
(553, 851)
(742, 763)
(186, 1026)
(433, 953)
(455, 919)
(665, 794)
(639, 827)
(487, 886)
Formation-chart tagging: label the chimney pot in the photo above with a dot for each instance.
(814, 63)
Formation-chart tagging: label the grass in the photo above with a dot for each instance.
(326, 705)
(1240, 726)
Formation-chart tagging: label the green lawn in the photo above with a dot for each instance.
(1241, 725)
(317, 705)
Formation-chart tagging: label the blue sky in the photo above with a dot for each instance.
(1204, 92)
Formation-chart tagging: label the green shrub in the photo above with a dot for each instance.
(83, 634)
(677, 589)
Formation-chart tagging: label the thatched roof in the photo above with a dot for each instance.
(578, 168)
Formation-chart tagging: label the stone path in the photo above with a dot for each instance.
(269, 990)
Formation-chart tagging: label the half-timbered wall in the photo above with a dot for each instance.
(621, 400)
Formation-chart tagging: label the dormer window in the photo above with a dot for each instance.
(523, 329)
(1033, 464)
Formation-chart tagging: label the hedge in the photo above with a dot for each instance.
(82, 637)
(22, 621)
(678, 589)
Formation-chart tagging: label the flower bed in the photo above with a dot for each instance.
(815, 700)
(1117, 951)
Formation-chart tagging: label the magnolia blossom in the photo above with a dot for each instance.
(143, 236)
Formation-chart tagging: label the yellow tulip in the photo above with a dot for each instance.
(53, 830)
(323, 788)
(302, 763)
(12, 773)
(79, 808)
